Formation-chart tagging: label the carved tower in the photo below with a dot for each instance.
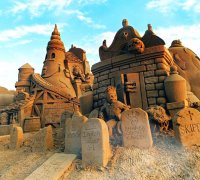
(54, 70)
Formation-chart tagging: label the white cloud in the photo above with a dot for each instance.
(90, 22)
(82, 17)
(188, 34)
(10, 65)
(21, 31)
(37, 7)
(85, 2)
(188, 4)
(168, 6)
(18, 43)
(162, 6)
(91, 45)
(8, 74)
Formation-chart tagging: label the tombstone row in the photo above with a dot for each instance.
(89, 138)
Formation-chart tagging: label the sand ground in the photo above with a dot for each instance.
(165, 160)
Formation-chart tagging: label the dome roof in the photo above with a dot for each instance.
(55, 41)
(26, 66)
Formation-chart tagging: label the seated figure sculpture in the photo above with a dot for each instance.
(112, 109)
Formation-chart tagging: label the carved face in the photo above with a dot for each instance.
(111, 96)
(136, 46)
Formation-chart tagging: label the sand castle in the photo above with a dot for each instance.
(135, 74)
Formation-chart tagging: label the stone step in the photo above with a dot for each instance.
(53, 168)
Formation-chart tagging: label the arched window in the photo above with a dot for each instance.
(53, 56)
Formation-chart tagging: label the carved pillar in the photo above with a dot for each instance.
(77, 86)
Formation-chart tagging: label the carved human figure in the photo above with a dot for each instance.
(78, 74)
(112, 109)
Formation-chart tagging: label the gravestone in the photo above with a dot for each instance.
(43, 140)
(32, 123)
(4, 130)
(95, 143)
(136, 129)
(73, 133)
(86, 102)
(16, 137)
(186, 124)
(64, 117)
(94, 114)
(3, 118)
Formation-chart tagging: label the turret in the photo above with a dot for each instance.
(54, 70)
(24, 77)
(55, 47)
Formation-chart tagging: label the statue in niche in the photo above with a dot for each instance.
(112, 109)
(78, 74)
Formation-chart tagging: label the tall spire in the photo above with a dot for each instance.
(55, 34)
(55, 41)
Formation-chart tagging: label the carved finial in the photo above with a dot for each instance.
(149, 27)
(56, 28)
(125, 22)
(55, 31)
(176, 43)
(104, 43)
(173, 70)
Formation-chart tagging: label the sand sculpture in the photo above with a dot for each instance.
(135, 73)
(112, 109)
(188, 64)
(65, 77)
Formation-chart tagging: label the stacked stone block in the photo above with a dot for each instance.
(154, 65)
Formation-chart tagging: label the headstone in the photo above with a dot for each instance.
(4, 118)
(53, 168)
(43, 140)
(73, 133)
(16, 137)
(186, 124)
(86, 102)
(4, 130)
(94, 114)
(136, 129)
(32, 124)
(95, 143)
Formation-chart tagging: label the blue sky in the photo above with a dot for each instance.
(26, 26)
